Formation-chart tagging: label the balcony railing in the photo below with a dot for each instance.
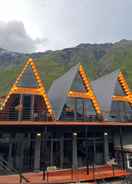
(26, 114)
(37, 114)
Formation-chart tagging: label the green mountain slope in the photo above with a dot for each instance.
(120, 56)
(98, 59)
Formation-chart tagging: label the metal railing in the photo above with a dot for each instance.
(9, 170)
(105, 116)
(26, 114)
(38, 114)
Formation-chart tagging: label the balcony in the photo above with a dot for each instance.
(68, 175)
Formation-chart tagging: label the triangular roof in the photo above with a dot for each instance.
(29, 82)
(60, 89)
(109, 88)
(104, 88)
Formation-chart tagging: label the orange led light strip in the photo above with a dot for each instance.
(89, 94)
(123, 83)
(122, 98)
(125, 87)
(39, 91)
(78, 94)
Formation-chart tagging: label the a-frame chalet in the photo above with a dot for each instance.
(72, 96)
(27, 98)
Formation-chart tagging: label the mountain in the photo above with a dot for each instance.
(98, 59)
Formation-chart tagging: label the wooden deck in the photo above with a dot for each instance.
(64, 123)
(66, 176)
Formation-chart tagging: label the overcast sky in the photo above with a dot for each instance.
(32, 25)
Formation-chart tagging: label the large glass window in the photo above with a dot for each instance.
(121, 111)
(78, 84)
(78, 109)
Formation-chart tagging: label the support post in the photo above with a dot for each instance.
(28, 148)
(83, 103)
(51, 151)
(61, 151)
(22, 153)
(20, 109)
(46, 147)
(19, 141)
(106, 147)
(37, 151)
(74, 152)
(32, 106)
(94, 156)
(86, 149)
(122, 150)
(87, 158)
(10, 158)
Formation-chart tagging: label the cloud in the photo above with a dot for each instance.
(67, 23)
(14, 37)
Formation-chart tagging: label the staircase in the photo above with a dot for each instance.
(20, 178)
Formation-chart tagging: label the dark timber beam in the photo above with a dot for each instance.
(32, 106)
(83, 109)
(75, 109)
(20, 109)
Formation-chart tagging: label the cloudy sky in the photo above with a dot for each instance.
(40, 25)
